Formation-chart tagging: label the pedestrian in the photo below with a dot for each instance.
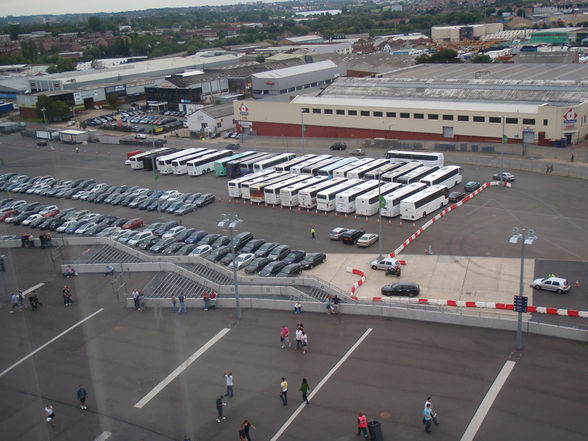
(109, 270)
(285, 337)
(284, 391)
(182, 301)
(219, 407)
(246, 426)
(213, 297)
(21, 303)
(547, 169)
(206, 298)
(433, 413)
(304, 388)
(82, 395)
(13, 302)
(48, 242)
(312, 232)
(174, 302)
(304, 342)
(77, 149)
(572, 158)
(427, 415)
(24, 241)
(42, 240)
(49, 414)
(187, 438)
(328, 304)
(141, 301)
(229, 380)
(242, 435)
(335, 305)
(135, 295)
(66, 296)
(31, 241)
(362, 425)
(297, 308)
(298, 336)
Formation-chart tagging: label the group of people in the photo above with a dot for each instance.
(45, 239)
(49, 412)
(300, 337)
(332, 304)
(27, 241)
(138, 300)
(209, 300)
(17, 301)
(69, 272)
(67, 297)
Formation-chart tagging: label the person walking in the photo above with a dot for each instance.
(362, 425)
(229, 380)
(141, 301)
(284, 391)
(246, 426)
(328, 304)
(242, 436)
(67, 298)
(13, 303)
(285, 337)
(433, 413)
(335, 305)
(428, 416)
(304, 388)
(182, 301)
(49, 414)
(174, 303)
(312, 232)
(135, 295)
(206, 297)
(219, 408)
(82, 395)
(304, 339)
(572, 158)
(298, 337)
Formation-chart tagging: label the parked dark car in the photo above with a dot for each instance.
(208, 239)
(252, 246)
(290, 270)
(241, 239)
(172, 248)
(205, 199)
(279, 252)
(161, 244)
(294, 256)
(185, 249)
(221, 241)
(256, 265)
(401, 289)
(227, 259)
(339, 146)
(148, 242)
(350, 237)
(265, 249)
(218, 254)
(161, 230)
(313, 259)
(272, 269)
(456, 196)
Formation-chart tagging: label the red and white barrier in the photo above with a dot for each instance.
(357, 284)
(483, 305)
(431, 221)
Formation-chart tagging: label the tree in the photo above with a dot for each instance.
(113, 100)
(62, 110)
(44, 102)
(95, 24)
(260, 59)
(481, 58)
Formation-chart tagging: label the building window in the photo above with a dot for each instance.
(283, 91)
(512, 120)
(352, 112)
(257, 92)
(390, 114)
(340, 112)
(432, 116)
(463, 118)
(528, 122)
(316, 110)
(447, 117)
(307, 86)
(313, 84)
(305, 110)
(266, 92)
(418, 116)
(365, 113)
(378, 114)
(479, 119)
(404, 115)
(545, 122)
(328, 111)
(495, 119)
(291, 89)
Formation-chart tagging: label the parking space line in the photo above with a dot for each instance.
(33, 288)
(181, 368)
(321, 384)
(103, 436)
(484, 407)
(26, 357)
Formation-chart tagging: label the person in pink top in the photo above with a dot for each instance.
(285, 337)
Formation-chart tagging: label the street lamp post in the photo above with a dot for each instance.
(230, 222)
(380, 214)
(526, 237)
(302, 112)
(502, 149)
(3, 271)
(155, 174)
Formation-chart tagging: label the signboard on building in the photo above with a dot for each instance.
(570, 120)
(118, 89)
(243, 110)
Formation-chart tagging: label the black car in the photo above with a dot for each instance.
(148, 242)
(208, 239)
(456, 196)
(291, 270)
(313, 259)
(279, 252)
(162, 244)
(272, 269)
(163, 228)
(350, 237)
(265, 249)
(221, 241)
(241, 239)
(205, 199)
(227, 259)
(252, 246)
(256, 265)
(218, 254)
(294, 256)
(172, 248)
(186, 249)
(338, 146)
(401, 289)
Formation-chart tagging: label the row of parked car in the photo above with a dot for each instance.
(169, 201)
(353, 236)
(131, 118)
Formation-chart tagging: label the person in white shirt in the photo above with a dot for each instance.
(229, 380)
(433, 413)
(304, 342)
(298, 337)
(284, 391)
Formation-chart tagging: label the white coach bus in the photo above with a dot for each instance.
(450, 176)
(345, 201)
(307, 196)
(164, 163)
(328, 170)
(325, 199)
(416, 175)
(374, 174)
(342, 172)
(272, 192)
(297, 169)
(393, 175)
(234, 185)
(426, 158)
(180, 165)
(272, 162)
(246, 186)
(289, 195)
(392, 200)
(205, 164)
(359, 172)
(369, 203)
(286, 166)
(138, 161)
(424, 202)
(257, 190)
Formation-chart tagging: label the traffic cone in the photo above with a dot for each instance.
(355, 217)
(366, 219)
(307, 210)
(326, 213)
(414, 225)
(577, 283)
(390, 222)
(400, 223)
(315, 212)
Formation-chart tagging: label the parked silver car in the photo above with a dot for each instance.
(556, 284)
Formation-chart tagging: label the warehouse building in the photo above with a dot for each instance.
(541, 104)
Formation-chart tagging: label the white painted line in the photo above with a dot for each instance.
(491, 395)
(181, 368)
(103, 436)
(8, 369)
(321, 384)
(33, 288)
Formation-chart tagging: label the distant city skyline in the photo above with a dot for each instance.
(58, 7)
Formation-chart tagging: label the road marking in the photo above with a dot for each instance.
(181, 368)
(491, 395)
(8, 369)
(103, 436)
(321, 384)
(33, 288)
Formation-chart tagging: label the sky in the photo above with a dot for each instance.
(57, 7)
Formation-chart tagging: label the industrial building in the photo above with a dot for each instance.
(466, 32)
(211, 119)
(537, 103)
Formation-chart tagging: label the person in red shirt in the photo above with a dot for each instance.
(362, 425)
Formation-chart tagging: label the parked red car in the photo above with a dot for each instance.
(6, 214)
(133, 223)
(52, 213)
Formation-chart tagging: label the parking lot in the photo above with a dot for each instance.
(120, 354)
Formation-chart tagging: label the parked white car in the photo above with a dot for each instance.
(244, 259)
(384, 264)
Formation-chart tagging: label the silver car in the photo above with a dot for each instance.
(336, 233)
(551, 284)
(384, 264)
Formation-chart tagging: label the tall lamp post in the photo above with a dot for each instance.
(503, 141)
(155, 173)
(230, 222)
(526, 237)
(303, 129)
(380, 202)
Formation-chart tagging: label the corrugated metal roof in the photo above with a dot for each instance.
(219, 111)
(296, 70)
